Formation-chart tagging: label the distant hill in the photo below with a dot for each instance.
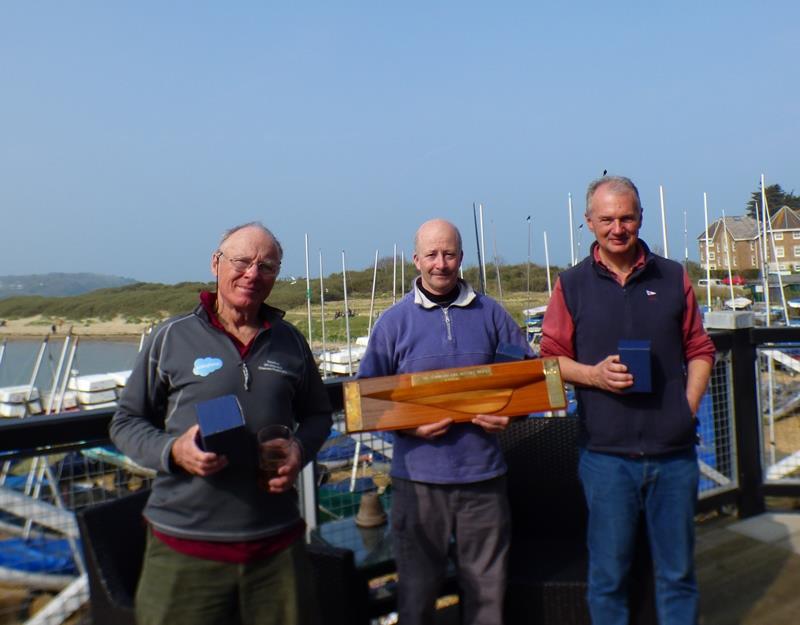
(58, 284)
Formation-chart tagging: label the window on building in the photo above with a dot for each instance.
(796, 250)
(796, 234)
(778, 236)
(779, 251)
(752, 261)
(711, 255)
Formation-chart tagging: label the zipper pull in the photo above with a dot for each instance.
(246, 376)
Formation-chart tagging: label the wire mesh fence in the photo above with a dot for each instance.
(779, 409)
(716, 446)
(42, 572)
(349, 465)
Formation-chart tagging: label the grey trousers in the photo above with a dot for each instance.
(431, 520)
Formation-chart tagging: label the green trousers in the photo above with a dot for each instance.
(176, 589)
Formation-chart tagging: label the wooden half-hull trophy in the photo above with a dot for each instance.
(412, 399)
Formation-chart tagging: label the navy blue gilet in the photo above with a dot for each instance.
(650, 306)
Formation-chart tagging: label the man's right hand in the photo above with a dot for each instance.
(431, 430)
(187, 455)
(610, 375)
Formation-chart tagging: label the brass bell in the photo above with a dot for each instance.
(370, 511)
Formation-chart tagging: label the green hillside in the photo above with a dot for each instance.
(151, 302)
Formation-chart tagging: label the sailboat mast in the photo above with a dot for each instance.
(573, 262)
(67, 372)
(57, 374)
(780, 275)
(663, 220)
(496, 264)
(547, 262)
(372, 298)
(528, 266)
(347, 318)
(764, 219)
(478, 246)
(394, 274)
(685, 241)
(402, 273)
(728, 257)
(708, 250)
(325, 364)
(308, 292)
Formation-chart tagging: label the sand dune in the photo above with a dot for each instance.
(95, 328)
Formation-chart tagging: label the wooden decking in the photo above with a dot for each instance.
(749, 571)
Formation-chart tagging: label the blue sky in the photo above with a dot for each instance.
(133, 133)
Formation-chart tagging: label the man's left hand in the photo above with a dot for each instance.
(492, 423)
(287, 472)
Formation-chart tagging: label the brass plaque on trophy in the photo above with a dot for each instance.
(409, 400)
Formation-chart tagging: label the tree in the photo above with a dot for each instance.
(776, 198)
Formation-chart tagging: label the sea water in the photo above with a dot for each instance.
(91, 356)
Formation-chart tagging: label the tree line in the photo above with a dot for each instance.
(776, 199)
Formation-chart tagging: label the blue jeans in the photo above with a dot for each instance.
(618, 489)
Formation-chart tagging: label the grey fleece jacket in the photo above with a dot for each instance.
(187, 360)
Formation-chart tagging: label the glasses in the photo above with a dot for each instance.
(241, 265)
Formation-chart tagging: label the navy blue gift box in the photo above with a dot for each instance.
(636, 356)
(222, 428)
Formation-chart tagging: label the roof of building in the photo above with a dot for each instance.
(785, 219)
(744, 227)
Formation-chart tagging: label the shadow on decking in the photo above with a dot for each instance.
(749, 571)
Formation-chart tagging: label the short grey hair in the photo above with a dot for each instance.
(251, 224)
(619, 185)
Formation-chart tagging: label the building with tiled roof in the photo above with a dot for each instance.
(737, 242)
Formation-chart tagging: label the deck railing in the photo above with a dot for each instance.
(53, 465)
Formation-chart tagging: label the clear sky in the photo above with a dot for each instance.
(133, 133)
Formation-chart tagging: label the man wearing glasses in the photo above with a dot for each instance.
(223, 548)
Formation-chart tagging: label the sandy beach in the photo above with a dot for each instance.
(38, 327)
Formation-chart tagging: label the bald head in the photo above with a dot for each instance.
(437, 227)
(437, 255)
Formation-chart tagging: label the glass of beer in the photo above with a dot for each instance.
(274, 442)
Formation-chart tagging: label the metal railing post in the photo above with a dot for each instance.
(744, 376)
